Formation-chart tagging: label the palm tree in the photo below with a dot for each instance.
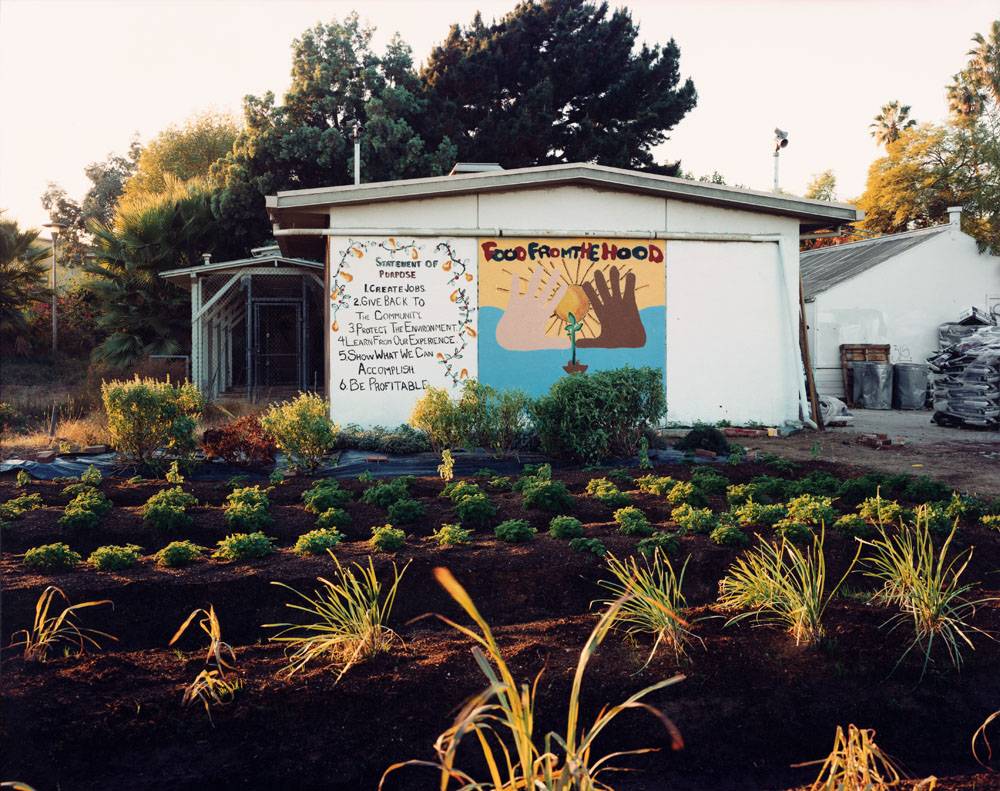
(22, 279)
(984, 63)
(143, 313)
(891, 122)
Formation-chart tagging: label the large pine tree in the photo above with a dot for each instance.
(556, 81)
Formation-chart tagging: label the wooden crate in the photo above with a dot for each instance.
(859, 352)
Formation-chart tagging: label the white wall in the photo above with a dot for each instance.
(731, 352)
(901, 302)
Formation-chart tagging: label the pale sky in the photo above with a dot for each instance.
(78, 77)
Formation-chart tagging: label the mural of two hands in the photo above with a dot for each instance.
(522, 326)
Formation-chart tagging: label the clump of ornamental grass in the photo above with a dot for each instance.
(502, 719)
(658, 607)
(211, 686)
(779, 583)
(49, 630)
(924, 585)
(347, 620)
(857, 764)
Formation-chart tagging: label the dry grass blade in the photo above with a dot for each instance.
(350, 621)
(210, 625)
(981, 734)
(856, 763)
(47, 631)
(504, 729)
(211, 687)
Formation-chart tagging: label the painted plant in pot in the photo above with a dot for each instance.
(541, 298)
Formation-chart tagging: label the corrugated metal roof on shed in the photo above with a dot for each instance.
(827, 267)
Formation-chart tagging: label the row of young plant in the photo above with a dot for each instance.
(247, 509)
(347, 622)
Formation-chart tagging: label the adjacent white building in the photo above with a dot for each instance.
(893, 290)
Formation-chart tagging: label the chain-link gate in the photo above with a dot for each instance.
(259, 332)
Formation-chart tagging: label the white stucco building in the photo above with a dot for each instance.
(499, 274)
(892, 290)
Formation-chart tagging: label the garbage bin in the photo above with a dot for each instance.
(873, 385)
(909, 386)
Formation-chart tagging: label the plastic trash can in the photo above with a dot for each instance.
(909, 385)
(873, 385)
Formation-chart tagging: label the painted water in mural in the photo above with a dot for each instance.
(402, 318)
(548, 307)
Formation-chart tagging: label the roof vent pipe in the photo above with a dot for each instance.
(955, 216)
(207, 258)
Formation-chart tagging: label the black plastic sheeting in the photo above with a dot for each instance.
(349, 464)
(965, 381)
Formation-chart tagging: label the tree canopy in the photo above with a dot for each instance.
(99, 203)
(891, 122)
(928, 168)
(305, 142)
(142, 313)
(22, 278)
(822, 186)
(183, 152)
(556, 81)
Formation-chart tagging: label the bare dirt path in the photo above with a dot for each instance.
(966, 460)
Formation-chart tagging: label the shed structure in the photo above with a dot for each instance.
(256, 324)
(893, 290)
(518, 277)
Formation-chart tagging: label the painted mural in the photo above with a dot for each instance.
(548, 307)
(402, 318)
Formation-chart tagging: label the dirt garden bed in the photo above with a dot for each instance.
(752, 701)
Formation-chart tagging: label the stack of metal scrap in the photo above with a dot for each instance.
(965, 381)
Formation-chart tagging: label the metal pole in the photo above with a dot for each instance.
(55, 243)
(357, 156)
(776, 150)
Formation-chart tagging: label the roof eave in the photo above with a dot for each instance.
(810, 212)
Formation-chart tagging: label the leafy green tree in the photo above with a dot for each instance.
(891, 122)
(184, 152)
(142, 313)
(306, 142)
(929, 168)
(822, 186)
(557, 81)
(22, 280)
(99, 203)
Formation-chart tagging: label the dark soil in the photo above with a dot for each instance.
(751, 704)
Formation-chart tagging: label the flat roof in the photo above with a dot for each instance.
(811, 212)
(182, 276)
